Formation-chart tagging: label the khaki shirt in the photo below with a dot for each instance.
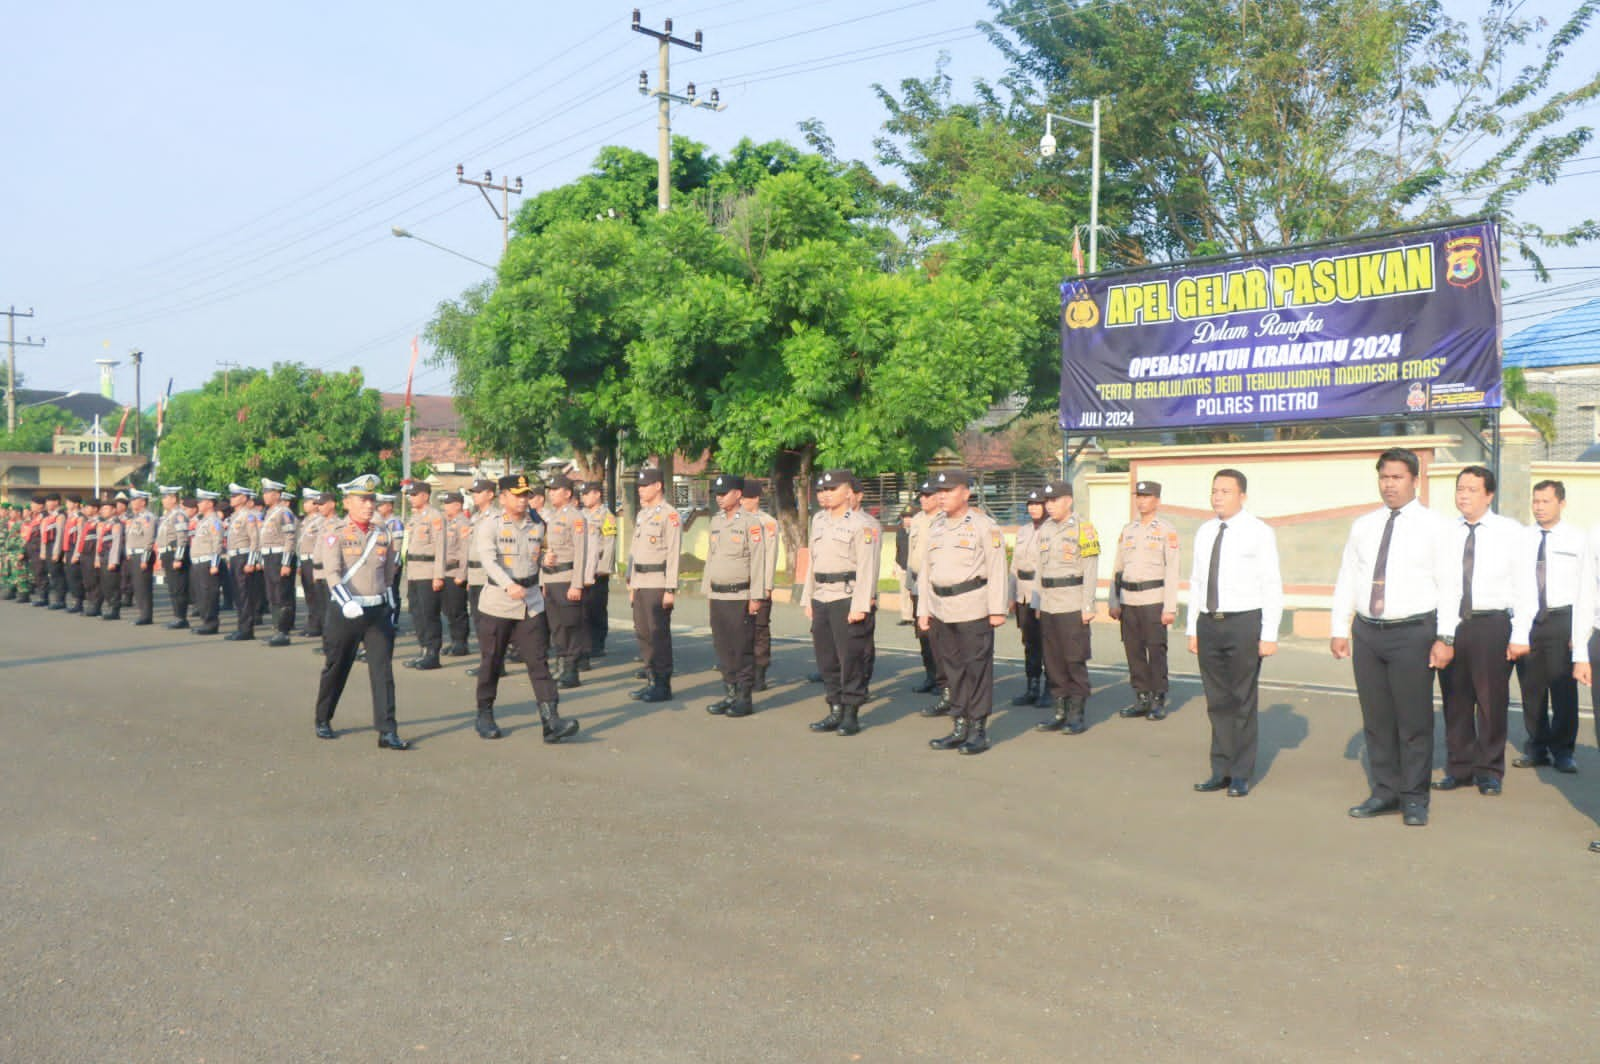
(341, 548)
(172, 534)
(139, 532)
(277, 534)
(769, 530)
(844, 560)
(424, 543)
(965, 576)
(1067, 555)
(917, 549)
(566, 548)
(457, 545)
(736, 564)
(310, 529)
(657, 543)
(1146, 552)
(205, 540)
(244, 535)
(1024, 563)
(603, 538)
(510, 551)
(474, 564)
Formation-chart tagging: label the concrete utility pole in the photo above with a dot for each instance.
(487, 185)
(664, 101)
(138, 410)
(12, 343)
(227, 374)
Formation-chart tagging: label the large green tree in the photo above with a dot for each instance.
(37, 426)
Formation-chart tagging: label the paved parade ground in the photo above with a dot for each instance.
(187, 874)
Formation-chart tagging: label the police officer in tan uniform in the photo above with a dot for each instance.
(207, 534)
(139, 532)
(967, 596)
(305, 547)
(1066, 553)
(511, 608)
(653, 583)
(734, 583)
(601, 524)
(1026, 579)
(172, 546)
(563, 573)
(357, 557)
(244, 560)
(484, 493)
(277, 560)
(457, 545)
(108, 562)
(425, 567)
(916, 558)
(1144, 597)
(839, 597)
(769, 531)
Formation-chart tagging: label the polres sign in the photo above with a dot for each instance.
(91, 444)
(1406, 324)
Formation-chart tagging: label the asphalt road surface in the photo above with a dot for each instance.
(187, 874)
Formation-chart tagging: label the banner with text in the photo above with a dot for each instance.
(1408, 324)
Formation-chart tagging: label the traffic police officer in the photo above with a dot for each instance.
(1144, 598)
(653, 584)
(603, 539)
(305, 549)
(966, 599)
(244, 560)
(839, 597)
(1024, 572)
(511, 608)
(769, 532)
(172, 547)
(734, 583)
(562, 574)
(425, 567)
(139, 531)
(457, 545)
(206, 537)
(278, 546)
(1066, 554)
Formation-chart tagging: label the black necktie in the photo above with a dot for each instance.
(1469, 555)
(1380, 570)
(1539, 571)
(1211, 576)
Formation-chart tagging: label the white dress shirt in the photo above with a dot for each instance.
(1411, 579)
(1496, 565)
(1248, 577)
(1564, 546)
(1586, 610)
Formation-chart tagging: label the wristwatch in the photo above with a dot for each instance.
(1447, 640)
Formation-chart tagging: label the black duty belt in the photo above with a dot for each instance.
(1398, 622)
(1061, 581)
(949, 590)
(1558, 611)
(835, 578)
(419, 557)
(526, 581)
(648, 567)
(1140, 585)
(474, 565)
(729, 588)
(1026, 574)
(1222, 615)
(559, 567)
(1487, 613)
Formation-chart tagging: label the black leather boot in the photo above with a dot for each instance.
(977, 737)
(649, 683)
(730, 694)
(849, 720)
(1158, 706)
(957, 736)
(1075, 721)
(1027, 697)
(929, 684)
(487, 728)
(940, 708)
(1140, 707)
(761, 678)
(1044, 701)
(742, 705)
(556, 727)
(584, 664)
(831, 721)
(569, 674)
(660, 689)
(1057, 722)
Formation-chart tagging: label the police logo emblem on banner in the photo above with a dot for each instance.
(1464, 261)
(1079, 311)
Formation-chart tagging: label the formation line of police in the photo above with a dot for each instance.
(1416, 596)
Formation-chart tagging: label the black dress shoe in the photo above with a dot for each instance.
(1215, 783)
(141, 622)
(1416, 816)
(1489, 787)
(1375, 807)
(1450, 783)
(208, 630)
(1531, 762)
(392, 741)
(1238, 788)
(281, 639)
(1594, 847)
(1566, 764)
(325, 731)
(238, 637)
(459, 650)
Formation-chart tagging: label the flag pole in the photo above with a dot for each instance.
(97, 456)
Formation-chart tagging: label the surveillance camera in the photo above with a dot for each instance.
(1047, 145)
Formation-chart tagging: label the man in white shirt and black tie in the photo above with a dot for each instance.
(1480, 569)
(1551, 562)
(1386, 613)
(1235, 609)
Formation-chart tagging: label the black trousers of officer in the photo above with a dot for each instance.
(965, 652)
(73, 575)
(1144, 638)
(596, 612)
(127, 572)
(141, 568)
(531, 635)
(652, 627)
(111, 588)
(473, 591)
(316, 593)
(225, 583)
(1230, 672)
(177, 580)
(567, 631)
(453, 601)
(733, 634)
(1395, 687)
(280, 590)
(91, 585)
(244, 595)
(58, 581)
(925, 644)
(1065, 648)
(424, 603)
(342, 637)
(39, 572)
(1477, 694)
(841, 649)
(1032, 641)
(764, 634)
(1549, 692)
(205, 587)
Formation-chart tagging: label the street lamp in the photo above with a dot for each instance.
(1047, 148)
(409, 235)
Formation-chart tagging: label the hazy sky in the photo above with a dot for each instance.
(215, 183)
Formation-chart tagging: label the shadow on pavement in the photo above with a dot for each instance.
(1281, 728)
